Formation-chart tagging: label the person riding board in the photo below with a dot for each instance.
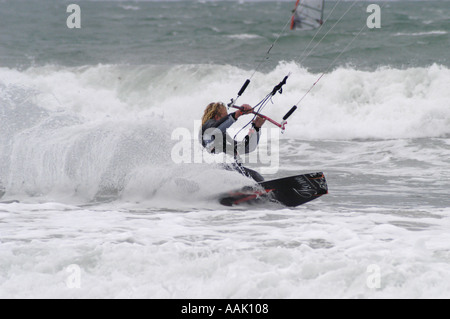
(214, 138)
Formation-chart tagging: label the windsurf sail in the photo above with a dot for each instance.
(308, 14)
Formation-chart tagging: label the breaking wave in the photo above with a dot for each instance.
(105, 130)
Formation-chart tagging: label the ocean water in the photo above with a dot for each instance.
(94, 203)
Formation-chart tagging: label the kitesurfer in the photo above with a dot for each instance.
(215, 140)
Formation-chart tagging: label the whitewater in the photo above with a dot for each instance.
(93, 204)
(93, 185)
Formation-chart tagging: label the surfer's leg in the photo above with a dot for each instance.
(252, 174)
(247, 172)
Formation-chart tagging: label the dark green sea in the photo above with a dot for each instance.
(239, 33)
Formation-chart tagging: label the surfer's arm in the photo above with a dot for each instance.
(249, 143)
(213, 132)
(223, 124)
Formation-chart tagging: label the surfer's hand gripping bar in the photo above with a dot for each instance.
(281, 125)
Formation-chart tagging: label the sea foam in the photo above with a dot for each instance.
(96, 131)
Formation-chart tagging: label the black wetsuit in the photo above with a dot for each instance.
(215, 140)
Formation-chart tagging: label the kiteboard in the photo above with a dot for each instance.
(289, 191)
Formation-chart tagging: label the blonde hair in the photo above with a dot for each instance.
(211, 111)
